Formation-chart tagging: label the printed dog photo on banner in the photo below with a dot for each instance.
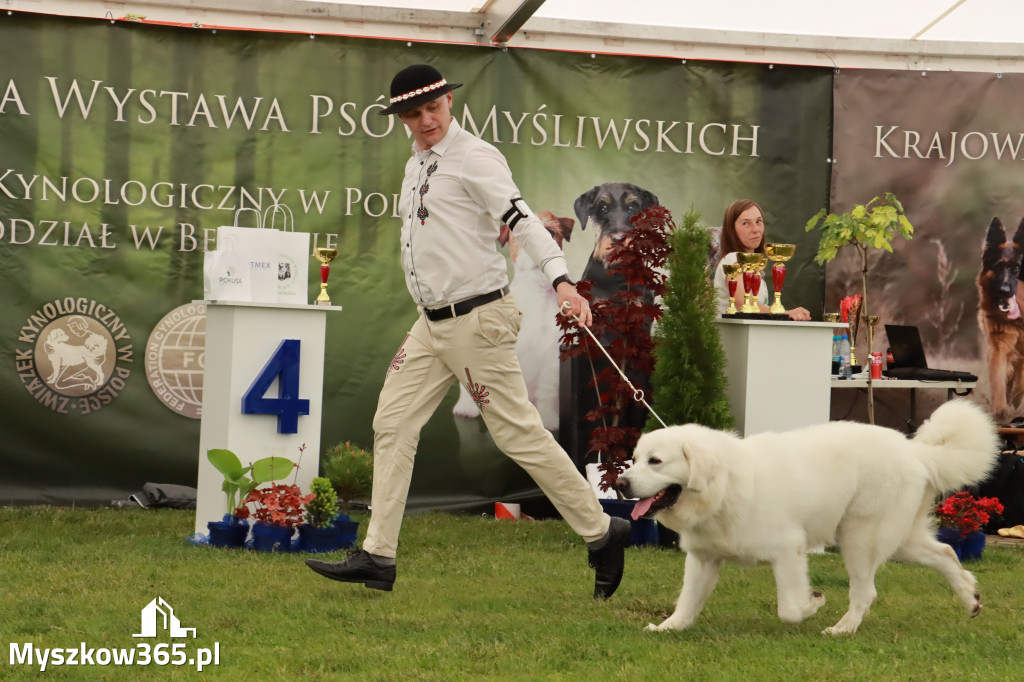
(607, 211)
(956, 170)
(561, 391)
(999, 318)
(537, 345)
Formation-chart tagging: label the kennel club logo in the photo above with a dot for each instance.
(74, 355)
(174, 359)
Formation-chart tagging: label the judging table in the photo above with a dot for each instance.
(953, 388)
(766, 391)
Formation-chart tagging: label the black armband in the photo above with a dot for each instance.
(516, 213)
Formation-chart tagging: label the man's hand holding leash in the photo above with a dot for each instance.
(578, 307)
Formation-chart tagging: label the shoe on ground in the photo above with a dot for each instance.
(609, 561)
(357, 567)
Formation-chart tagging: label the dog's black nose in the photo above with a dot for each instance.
(622, 485)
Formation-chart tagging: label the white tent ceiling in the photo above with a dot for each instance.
(976, 35)
(957, 20)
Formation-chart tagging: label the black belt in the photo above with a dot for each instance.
(463, 307)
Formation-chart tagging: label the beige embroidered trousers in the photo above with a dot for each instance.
(478, 349)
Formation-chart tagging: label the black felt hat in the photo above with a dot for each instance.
(415, 85)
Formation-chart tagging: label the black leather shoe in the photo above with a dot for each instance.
(609, 561)
(358, 567)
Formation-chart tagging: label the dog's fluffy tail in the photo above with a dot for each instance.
(966, 445)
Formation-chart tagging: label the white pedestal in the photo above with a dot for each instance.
(778, 373)
(240, 339)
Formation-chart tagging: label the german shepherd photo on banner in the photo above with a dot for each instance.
(999, 316)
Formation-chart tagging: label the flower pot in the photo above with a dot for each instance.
(951, 537)
(972, 545)
(644, 531)
(228, 532)
(268, 538)
(348, 530)
(315, 539)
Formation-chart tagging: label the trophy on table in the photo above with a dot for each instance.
(752, 264)
(325, 256)
(779, 253)
(849, 311)
(872, 323)
(732, 275)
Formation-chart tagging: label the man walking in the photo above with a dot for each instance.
(457, 192)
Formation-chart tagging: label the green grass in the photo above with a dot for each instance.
(476, 599)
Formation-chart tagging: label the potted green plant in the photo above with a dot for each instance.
(350, 471)
(320, 532)
(277, 510)
(239, 481)
(865, 226)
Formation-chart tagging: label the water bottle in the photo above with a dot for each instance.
(837, 355)
(846, 372)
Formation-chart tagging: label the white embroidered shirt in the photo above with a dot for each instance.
(453, 198)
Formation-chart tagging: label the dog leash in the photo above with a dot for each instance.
(638, 394)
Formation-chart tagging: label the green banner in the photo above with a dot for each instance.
(125, 145)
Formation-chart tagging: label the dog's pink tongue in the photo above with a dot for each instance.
(1014, 309)
(641, 507)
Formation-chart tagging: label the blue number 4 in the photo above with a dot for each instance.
(284, 366)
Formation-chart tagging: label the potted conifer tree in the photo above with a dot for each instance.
(689, 369)
(320, 532)
(350, 471)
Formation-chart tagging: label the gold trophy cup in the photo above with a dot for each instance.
(325, 256)
(779, 253)
(732, 275)
(752, 265)
(872, 323)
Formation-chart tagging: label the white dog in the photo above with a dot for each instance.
(537, 346)
(773, 495)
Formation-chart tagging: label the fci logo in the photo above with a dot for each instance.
(170, 622)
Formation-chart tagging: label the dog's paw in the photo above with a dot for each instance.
(847, 625)
(835, 630)
(976, 608)
(669, 624)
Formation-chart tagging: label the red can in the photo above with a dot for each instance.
(876, 365)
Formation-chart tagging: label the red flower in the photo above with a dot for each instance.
(966, 514)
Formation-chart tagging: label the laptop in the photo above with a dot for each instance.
(908, 360)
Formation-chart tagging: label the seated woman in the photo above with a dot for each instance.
(743, 230)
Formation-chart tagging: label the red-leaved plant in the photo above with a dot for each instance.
(623, 324)
(277, 505)
(965, 513)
